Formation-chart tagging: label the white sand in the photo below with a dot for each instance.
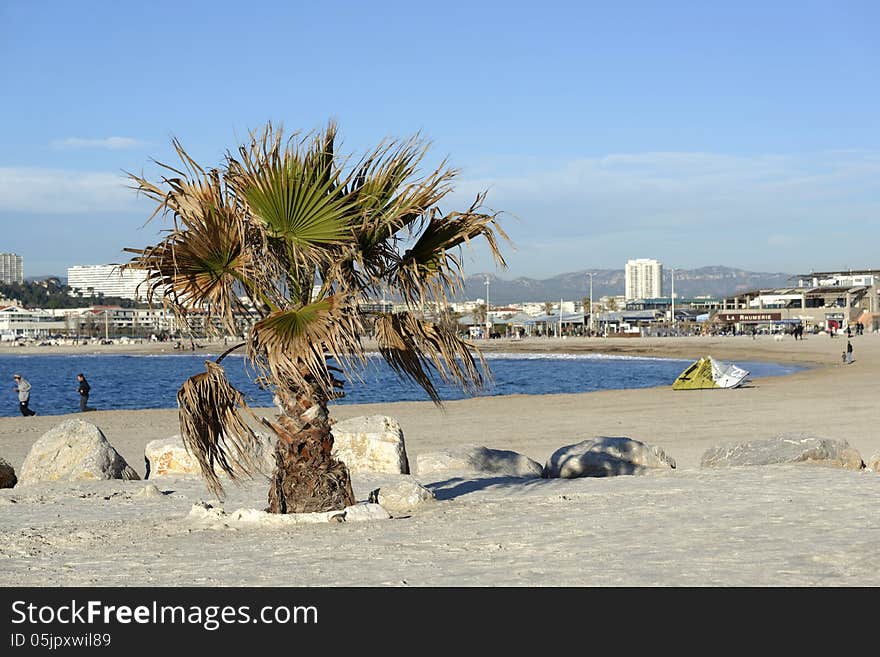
(786, 525)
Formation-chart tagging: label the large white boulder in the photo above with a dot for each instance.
(73, 450)
(168, 457)
(479, 460)
(785, 448)
(606, 456)
(873, 463)
(7, 474)
(371, 443)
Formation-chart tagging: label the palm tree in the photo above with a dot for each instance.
(479, 314)
(296, 237)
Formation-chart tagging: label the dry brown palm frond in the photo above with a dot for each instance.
(207, 254)
(391, 200)
(201, 267)
(432, 267)
(293, 346)
(214, 428)
(416, 349)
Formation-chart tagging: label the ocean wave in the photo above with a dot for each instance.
(504, 355)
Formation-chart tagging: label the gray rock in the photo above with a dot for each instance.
(7, 474)
(371, 444)
(477, 459)
(784, 448)
(606, 456)
(405, 495)
(74, 450)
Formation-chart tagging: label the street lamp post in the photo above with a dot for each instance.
(672, 317)
(590, 326)
(560, 319)
(488, 324)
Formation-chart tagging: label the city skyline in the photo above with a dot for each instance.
(742, 136)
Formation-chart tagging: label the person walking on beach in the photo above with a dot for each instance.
(83, 390)
(23, 388)
(849, 352)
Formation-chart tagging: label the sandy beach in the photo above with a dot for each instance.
(777, 525)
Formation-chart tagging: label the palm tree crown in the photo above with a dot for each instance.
(294, 236)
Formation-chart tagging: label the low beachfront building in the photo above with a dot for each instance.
(827, 306)
(17, 322)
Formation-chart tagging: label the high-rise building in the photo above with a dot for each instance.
(644, 279)
(10, 268)
(89, 280)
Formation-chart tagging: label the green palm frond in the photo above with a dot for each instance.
(416, 350)
(297, 209)
(293, 193)
(295, 345)
(213, 426)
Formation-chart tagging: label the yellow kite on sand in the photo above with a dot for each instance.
(708, 373)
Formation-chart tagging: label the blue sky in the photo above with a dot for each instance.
(744, 133)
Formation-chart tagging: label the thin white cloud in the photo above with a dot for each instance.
(651, 188)
(108, 143)
(59, 191)
(747, 210)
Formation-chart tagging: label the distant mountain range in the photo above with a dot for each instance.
(32, 279)
(704, 281)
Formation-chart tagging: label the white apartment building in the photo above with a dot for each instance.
(10, 268)
(89, 280)
(643, 279)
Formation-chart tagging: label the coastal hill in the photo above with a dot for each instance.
(705, 281)
(712, 281)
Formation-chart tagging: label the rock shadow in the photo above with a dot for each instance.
(453, 487)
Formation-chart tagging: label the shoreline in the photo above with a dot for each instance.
(762, 348)
(819, 358)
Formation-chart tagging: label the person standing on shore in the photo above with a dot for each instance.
(23, 388)
(849, 352)
(83, 390)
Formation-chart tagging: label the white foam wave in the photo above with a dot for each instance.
(502, 355)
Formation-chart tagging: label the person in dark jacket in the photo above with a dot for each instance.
(84, 389)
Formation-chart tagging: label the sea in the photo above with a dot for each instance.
(151, 381)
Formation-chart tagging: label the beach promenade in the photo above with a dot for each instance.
(779, 525)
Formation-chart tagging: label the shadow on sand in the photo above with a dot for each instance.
(449, 489)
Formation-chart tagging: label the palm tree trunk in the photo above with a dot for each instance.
(306, 477)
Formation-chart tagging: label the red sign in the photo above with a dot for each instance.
(748, 317)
